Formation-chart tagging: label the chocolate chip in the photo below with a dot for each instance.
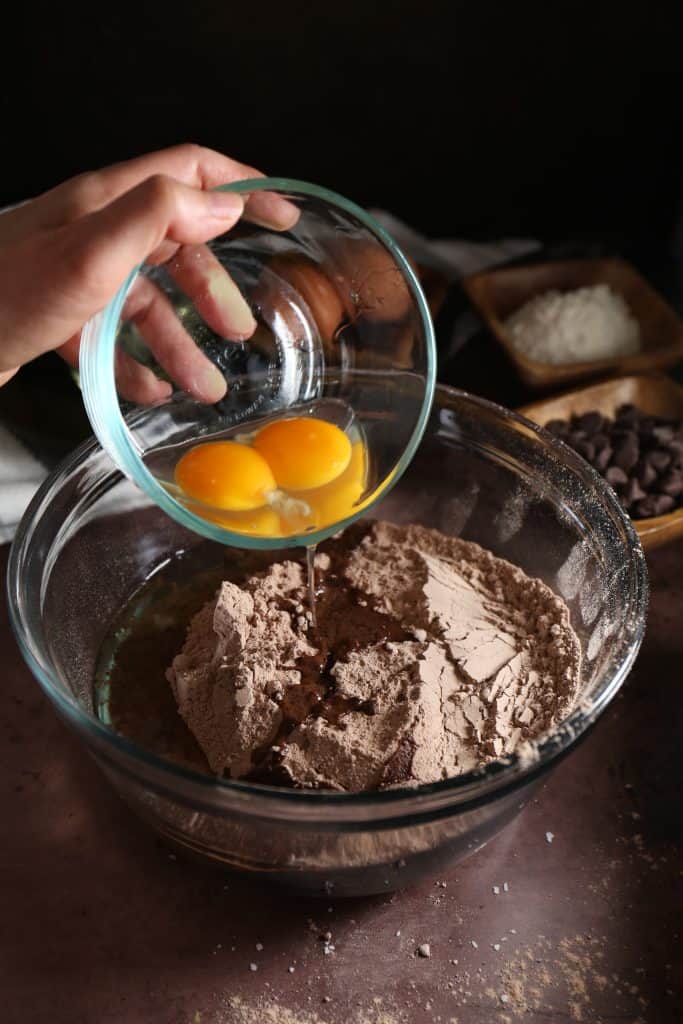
(560, 428)
(645, 508)
(672, 483)
(627, 413)
(647, 441)
(600, 441)
(591, 422)
(654, 505)
(659, 459)
(663, 434)
(586, 449)
(626, 452)
(648, 425)
(616, 477)
(602, 459)
(665, 503)
(576, 436)
(634, 492)
(646, 474)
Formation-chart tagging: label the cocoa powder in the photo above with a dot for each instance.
(431, 657)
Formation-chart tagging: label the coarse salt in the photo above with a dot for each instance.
(576, 326)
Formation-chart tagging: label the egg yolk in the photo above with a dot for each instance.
(338, 499)
(260, 522)
(295, 475)
(225, 475)
(304, 452)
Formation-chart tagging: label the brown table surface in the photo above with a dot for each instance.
(99, 923)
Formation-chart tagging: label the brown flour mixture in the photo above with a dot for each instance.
(431, 657)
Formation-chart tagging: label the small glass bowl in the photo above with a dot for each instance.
(342, 326)
(90, 538)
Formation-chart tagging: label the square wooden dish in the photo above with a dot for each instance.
(654, 394)
(497, 294)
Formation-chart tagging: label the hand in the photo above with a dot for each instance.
(64, 255)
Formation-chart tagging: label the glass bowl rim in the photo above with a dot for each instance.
(98, 341)
(429, 800)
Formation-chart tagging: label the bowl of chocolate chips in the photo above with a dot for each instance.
(459, 640)
(630, 429)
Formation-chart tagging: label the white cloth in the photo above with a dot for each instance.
(452, 256)
(21, 473)
(20, 477)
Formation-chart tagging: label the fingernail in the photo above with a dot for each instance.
(273, 212)
(272, 223)
(232, 305)
(224, 204)
(210, 384)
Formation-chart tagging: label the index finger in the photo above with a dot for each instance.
(193, 165)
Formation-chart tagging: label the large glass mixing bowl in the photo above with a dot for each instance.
(338, 313)
(90, 539)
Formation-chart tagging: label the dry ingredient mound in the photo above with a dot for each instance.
(431, 657)
(576, 326)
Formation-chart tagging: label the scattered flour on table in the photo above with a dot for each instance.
(270, 1011)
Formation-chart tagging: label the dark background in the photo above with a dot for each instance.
(476, 119)
(560, 121)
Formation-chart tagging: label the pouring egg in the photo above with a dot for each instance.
(292, 476)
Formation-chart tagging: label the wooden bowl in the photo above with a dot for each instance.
(499, 293)
(654, 394)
